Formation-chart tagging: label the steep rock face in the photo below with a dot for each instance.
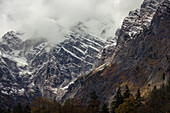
(136, 22)
(144, 62)
(33, 68)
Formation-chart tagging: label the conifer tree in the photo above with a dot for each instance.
(94, 103)
(118, 99)
(73, 106)
(138, 96)
(168, 96)
(130, 105)
(27, 109)
(1, 110)
(56, 107)
(44, 105)
(18, 108)
(126, 94)
(8, 111)
(157, 100)
(168, 86)
(105, 109)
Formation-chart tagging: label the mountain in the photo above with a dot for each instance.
(35, 67)
(136, 22)
(138, 56)
(141, 58)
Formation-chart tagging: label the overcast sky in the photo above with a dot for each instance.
(53, 18)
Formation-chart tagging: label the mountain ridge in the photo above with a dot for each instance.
(38, 68)
(83, 63)
(143, 62)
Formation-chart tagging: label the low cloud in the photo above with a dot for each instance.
(52, 19)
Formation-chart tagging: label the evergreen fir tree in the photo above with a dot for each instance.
(157, 100)
(118, 99)
(126, 94)
(8, 111)
(105, 109)
(27, 109)
(68, 106)
(130, 105)
(45, 105)
(1, 110)
(168, 96)
(56, 107)
(138, 96)
(94, 103)
(154, 88)
(93, 95)
(18, 108)
(168, 86)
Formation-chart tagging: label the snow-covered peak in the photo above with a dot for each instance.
(138, 21)
(45, 69)
(12, 39)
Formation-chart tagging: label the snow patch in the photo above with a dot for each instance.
(71, 53)
(21, 91)
(94, 48)
(79, 50)
(4, 92)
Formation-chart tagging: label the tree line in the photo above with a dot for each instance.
(158, 101)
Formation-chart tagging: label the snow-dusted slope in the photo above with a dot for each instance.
(38, 68)
(138, 21)
(134, 24)
(142, 62)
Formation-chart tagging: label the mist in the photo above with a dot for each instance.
(53, 19)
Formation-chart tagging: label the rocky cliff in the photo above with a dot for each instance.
(140, 59)
(135, 23)
(35, 67)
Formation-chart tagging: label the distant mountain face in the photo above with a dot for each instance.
(137, 56)
(141, 58)
(33, 68)
(136, 22)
